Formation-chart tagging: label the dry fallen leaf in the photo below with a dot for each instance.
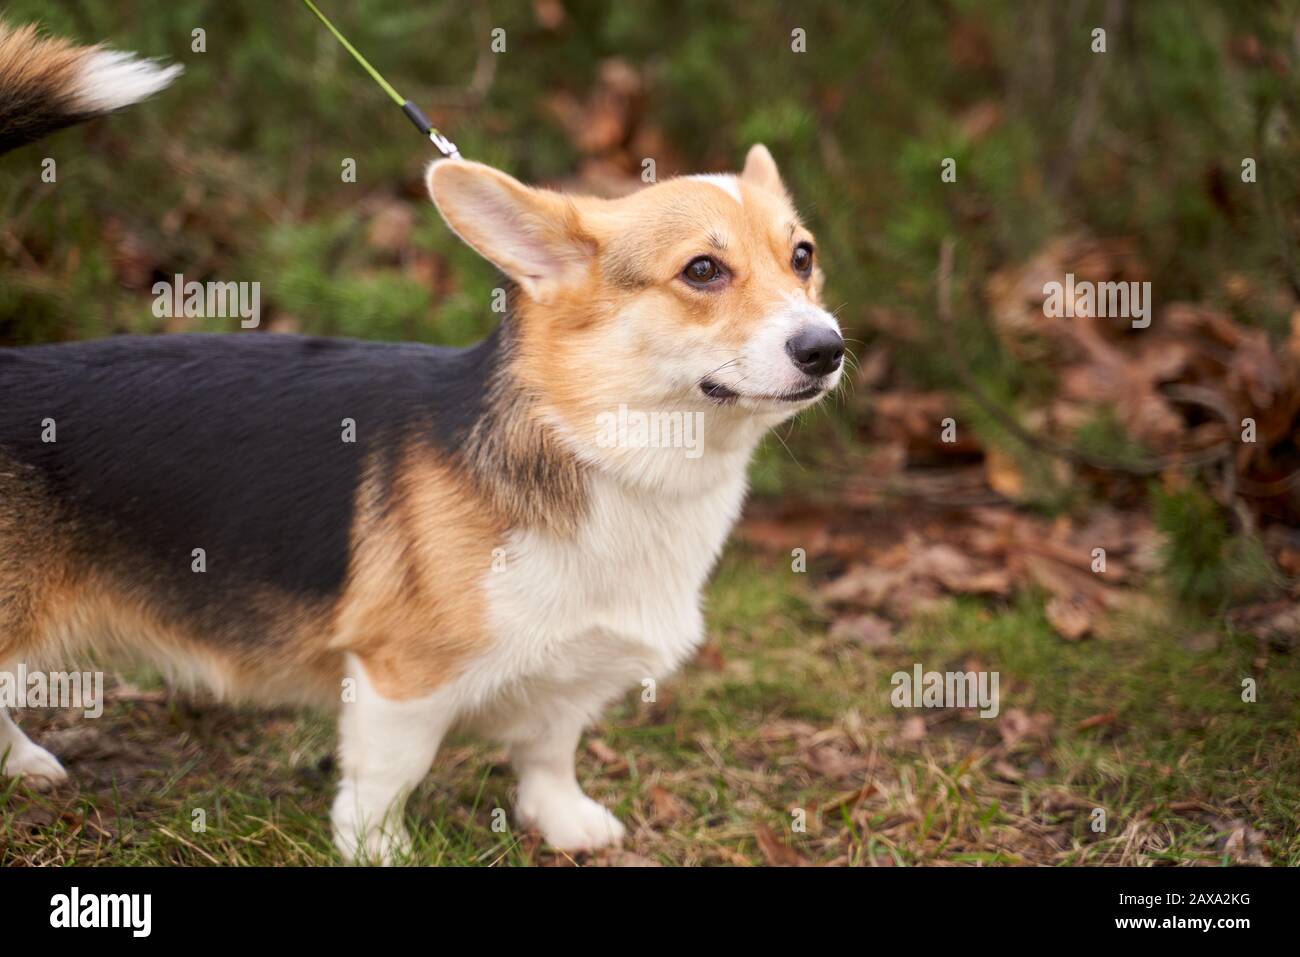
(1244, 845)
(710, 656)
(914, 728)
(1017, 725)
(666, 807)
(870, 631)
(1071, 618)
(602, 752)
(832, 763)
(776, 851)
(864, 585)
(916, 418)
(1096, 721)
(1003, 474)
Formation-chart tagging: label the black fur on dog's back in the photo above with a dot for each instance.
(229, 443)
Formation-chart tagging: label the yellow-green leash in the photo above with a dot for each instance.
(446, 146)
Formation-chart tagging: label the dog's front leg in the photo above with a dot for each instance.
(386, 747)
(549, 796)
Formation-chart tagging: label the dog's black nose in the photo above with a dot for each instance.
(816, 350)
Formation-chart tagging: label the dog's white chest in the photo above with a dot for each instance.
(618, 603)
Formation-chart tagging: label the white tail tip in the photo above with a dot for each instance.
(110, 80)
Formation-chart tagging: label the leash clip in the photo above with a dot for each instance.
(446, 146)
(416, 116)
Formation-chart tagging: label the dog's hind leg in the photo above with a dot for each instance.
(26, 547)
(19, 757)
(385, 748)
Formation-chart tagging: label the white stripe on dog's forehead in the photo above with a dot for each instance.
(725, 182)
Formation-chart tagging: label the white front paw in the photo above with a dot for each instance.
(385, 846)
(569, 821)
(36, 766)
(368, 838)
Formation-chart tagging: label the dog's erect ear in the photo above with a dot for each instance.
(760, 170)
(533, 235)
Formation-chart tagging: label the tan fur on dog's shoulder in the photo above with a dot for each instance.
(413, 609)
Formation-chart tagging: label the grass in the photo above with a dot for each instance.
(777, 744)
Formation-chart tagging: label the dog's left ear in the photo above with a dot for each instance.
(760, 170)
(533, 235)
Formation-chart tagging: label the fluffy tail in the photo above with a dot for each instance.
(47, 84)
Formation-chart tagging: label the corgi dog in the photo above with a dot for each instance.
(420, 539)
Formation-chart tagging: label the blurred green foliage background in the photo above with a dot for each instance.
(234, 174)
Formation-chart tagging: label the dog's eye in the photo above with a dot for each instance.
(802, 259)
(701, 271)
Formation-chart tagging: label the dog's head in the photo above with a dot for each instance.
(697, 293)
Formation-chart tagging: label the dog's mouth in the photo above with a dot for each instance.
(718, 392)
(722, 395)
